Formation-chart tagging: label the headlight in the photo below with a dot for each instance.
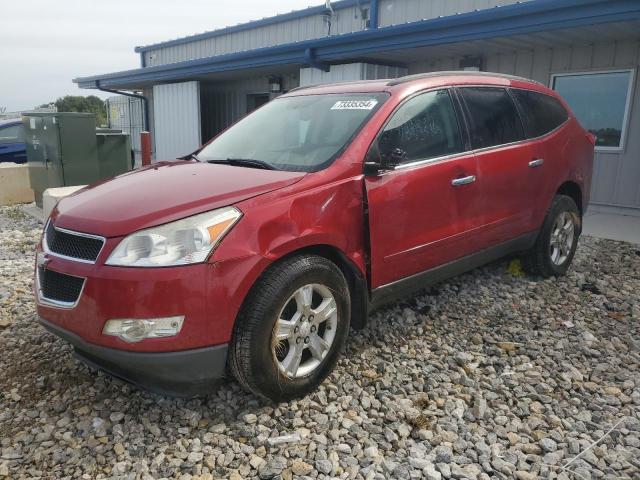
(183, 242)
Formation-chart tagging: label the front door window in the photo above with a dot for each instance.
(424, 127)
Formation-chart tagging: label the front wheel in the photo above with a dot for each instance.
(291, 329)
(557, 241)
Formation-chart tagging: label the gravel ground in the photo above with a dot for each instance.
(490, 375)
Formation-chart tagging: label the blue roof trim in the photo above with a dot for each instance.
(535, 16)
(283, 17)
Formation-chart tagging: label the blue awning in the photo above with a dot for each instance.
(516, 19)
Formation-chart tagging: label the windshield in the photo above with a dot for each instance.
(302, 134)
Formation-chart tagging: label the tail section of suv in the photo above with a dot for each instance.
(285, 230)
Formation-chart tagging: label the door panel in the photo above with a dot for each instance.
(507, 200)
(422, 213)
(497, 135)
(419, 220)
(543, 117)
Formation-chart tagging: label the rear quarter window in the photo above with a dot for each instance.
(541, 113)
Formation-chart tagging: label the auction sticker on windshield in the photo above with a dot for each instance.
(354, 104)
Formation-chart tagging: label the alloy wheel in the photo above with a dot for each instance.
(304, 330)
(562, 238)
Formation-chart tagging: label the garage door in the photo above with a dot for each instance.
(176, 109)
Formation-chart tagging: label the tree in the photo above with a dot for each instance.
(90, 104)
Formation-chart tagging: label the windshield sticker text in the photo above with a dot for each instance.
(354, 105)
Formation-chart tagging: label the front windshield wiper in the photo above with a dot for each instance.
(191, 156)
(244, 162)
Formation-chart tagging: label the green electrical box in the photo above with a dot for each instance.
(65, 149)
(114, 152)
(61, 150)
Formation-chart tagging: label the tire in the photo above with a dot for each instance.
(265, 365)
(546, 258)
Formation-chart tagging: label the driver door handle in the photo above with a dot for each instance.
(463, 181)
(536, 162)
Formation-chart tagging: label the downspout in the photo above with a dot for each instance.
(373, 14)
(144, 99)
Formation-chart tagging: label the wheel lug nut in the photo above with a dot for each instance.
(306, 339)
(296, 330)
(298, 340)
(313, 328)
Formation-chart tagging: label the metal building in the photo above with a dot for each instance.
(127, 114)
(589, 50)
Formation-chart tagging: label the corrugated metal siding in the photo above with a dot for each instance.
(127, 114)
(176, 119)
(345, 20)
(222, 103)
(349, 71)
(394, 12)
(374, 72)
(616, 179)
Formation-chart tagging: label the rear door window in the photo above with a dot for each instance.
(424, 127)
(540, 113)
(493, 117)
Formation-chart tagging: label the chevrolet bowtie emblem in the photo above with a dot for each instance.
(42, 260)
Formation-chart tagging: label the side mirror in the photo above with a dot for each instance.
(371, 169)
(372, 160)
(375, 161)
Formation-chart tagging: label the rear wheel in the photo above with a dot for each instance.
(292, 328)
(557, 241)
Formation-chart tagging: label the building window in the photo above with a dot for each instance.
(601, 103)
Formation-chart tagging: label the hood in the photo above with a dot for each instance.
(162, 193)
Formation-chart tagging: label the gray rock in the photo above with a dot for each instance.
(430, 473)
(250, 418)
(443, 454)
(324, 466)
(419, 463)
(479, 408)
(548, 445)
(413, 389)
(272, 467)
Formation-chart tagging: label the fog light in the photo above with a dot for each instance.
(134, 330)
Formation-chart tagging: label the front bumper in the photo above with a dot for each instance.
(208, 295)
(185, 373)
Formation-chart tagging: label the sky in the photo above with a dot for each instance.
(44, 44)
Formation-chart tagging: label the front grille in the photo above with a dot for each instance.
(73, 245)
(58, 287)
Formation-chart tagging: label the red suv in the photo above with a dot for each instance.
(257, 253)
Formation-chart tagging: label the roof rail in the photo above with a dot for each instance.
(417, 76)
(342, 82)
(303, 87)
